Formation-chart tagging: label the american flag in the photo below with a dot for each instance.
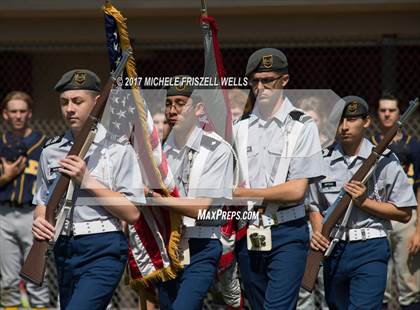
(155, 237)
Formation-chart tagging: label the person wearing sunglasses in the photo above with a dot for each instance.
(279, 155)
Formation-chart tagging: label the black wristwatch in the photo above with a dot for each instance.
(149, 193)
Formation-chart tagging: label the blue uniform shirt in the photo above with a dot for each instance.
(21, 189)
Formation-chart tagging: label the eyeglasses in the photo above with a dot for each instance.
(264, 81)
(178, 105)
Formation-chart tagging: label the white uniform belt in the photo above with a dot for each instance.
(95, 227)
(282, 216)
(202, 232)
(358, 234)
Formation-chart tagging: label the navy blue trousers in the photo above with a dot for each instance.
(355, 274)
(89, 269)
(272, 279)
(190, 288)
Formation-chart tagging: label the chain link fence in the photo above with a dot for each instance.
(364, 68)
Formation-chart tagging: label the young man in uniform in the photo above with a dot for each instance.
(404, 238)
(279, 155)
(202, 164)
(355, 272)
(20, 149)
(92, 252)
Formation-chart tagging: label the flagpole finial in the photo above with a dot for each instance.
(203, 8)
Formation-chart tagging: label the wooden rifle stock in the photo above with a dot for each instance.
(33, 268)
(314, 258)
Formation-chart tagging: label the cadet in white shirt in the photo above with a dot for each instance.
(355, 272)
(91, 252)
(279, 155)
(202, 164)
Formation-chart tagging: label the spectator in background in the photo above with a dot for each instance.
(159, 122)
(20, 148)
(404, 238)
(313, 107)
(237, 100)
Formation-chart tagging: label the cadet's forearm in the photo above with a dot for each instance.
(122, 208)
(315, 218)
(386, 210)
(184, 206)
(289, 192)
(40, 211)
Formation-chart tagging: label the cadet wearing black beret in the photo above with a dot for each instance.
(279, 154)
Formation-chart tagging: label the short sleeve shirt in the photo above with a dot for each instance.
(388, 183)
(112, 163)
(265, 148)
(216, 179)
(407, 150)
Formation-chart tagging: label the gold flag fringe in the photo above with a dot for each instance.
(169, 272)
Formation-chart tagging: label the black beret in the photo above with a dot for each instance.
(355, 106)
(180, 87)
(266, 59)
(78, 79)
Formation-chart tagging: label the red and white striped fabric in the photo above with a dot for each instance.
(152, 252)
(155, 237)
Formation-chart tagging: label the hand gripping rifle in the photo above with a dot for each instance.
(339, 209)
(33, 269)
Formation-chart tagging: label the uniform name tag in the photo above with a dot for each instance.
(54, 169)
(329, 184)
(258, 238)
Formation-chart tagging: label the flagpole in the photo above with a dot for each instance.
(204, 8)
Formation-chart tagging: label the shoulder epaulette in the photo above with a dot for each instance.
(328, 151)
(53, 140)
(299, 116)
(209, 142)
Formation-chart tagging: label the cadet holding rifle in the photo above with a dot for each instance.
(91, 251)
(355, 271)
